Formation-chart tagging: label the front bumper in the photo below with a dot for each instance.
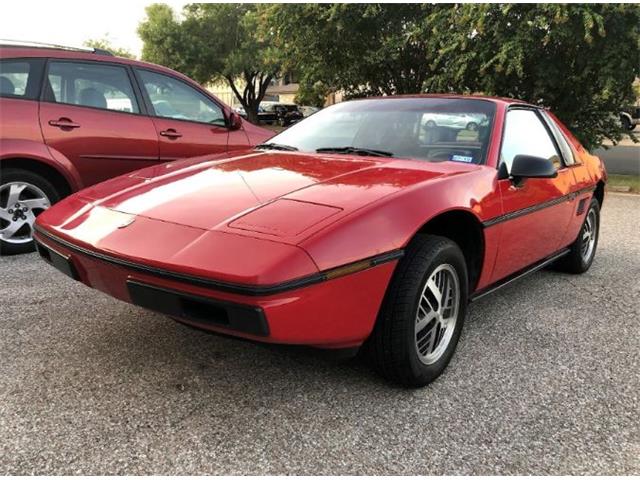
(334, 311)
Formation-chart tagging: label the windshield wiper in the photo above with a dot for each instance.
(355, 150)
(277, 146)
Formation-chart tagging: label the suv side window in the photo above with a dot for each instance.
(20, 78)
(524, 134)
(171, 98)
(91, 85)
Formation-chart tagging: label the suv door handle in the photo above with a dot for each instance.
(171, 133)
(63, 122)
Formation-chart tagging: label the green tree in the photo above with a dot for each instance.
(579, 59)
(104, 43)
(213, 42)
(360, 49)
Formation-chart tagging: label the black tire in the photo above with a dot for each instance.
(9, 175)
(392, 347)
(575, 261)
(472, 126)
(430, 124)
(626, 123)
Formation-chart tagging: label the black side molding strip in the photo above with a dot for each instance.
(535, 208)
(518, 275)
(241, 289)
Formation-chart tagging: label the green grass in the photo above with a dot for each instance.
(632, 181)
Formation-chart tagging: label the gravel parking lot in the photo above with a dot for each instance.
(546, 380)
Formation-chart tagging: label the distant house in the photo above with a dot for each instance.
(282, 90)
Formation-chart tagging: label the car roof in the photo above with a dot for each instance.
(78, 53)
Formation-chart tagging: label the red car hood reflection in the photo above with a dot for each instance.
(211, 194)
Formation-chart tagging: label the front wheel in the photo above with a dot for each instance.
(583, 250)
(23, 196)
(423, 313)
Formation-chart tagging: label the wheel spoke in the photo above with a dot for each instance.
(4, 215)
(10, 230)
(14, 193)
(434, 289)
(424, 321)
(36, 203)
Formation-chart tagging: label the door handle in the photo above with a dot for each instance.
(170, 133)
(63, 122)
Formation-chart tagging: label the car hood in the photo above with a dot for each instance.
(273, 194)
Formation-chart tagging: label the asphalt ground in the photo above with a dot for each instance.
(546, 380)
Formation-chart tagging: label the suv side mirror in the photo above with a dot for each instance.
(528, 166)
(235, 121)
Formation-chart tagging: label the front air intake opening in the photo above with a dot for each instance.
(204, 311)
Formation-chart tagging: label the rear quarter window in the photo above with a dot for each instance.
(20, 78)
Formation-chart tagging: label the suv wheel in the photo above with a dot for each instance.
(23, 196)
(422, 315)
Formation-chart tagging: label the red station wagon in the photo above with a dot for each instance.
(365, 225)
(70, 118)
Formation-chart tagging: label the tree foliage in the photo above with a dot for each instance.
(213, 42)
(578, 59)
(104, 43)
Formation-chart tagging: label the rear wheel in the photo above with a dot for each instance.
(23, 196)
(423, 313)
(583, 250)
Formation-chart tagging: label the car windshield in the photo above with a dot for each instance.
(433, 129)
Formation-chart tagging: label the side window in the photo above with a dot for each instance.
(14, 76)
(87, 85)
(567, 153)
(524, 134)
(172, 98)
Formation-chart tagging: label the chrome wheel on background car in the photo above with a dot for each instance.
(437, 314)
(20, 202)
(23, 196)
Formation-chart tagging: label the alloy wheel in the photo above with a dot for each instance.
(20, 203)
(437, 314)
(589, 235)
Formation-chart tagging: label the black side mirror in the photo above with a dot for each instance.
(528, 166)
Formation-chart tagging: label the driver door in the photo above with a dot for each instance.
(537, 211)
(188, 123)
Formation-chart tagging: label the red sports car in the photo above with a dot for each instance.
(364, 225)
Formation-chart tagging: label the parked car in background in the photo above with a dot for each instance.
(464, 120)
(307, 110)
(630, 118)
(264, 117)
(374, 234)
(72, 117)
(285, 113)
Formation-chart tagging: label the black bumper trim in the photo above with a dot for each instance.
(201, 310)
(241, 289)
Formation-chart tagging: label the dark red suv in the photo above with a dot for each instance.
(70, 118)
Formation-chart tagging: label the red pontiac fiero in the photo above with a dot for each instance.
(372, 223)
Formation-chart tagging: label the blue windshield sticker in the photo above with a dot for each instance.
(461, 158)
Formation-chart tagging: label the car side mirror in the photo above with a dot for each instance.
(235, 121)
(528, 166)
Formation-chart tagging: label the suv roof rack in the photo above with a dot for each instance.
(20, 43)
